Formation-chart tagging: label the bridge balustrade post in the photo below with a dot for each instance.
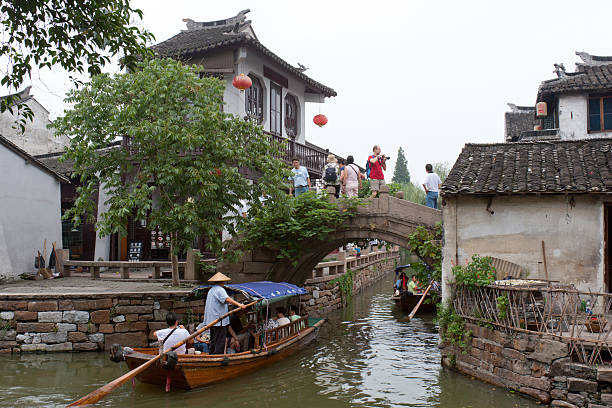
(383, 200)
(331, 194)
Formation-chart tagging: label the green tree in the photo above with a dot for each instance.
(77, 35)
(401, 174)
(181, 170)
(441, 169)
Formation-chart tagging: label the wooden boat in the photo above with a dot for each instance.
(197, 370)
(193, 371)
(407, 301)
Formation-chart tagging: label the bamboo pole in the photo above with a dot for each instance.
(411, 315)
(544, 258)
(103, 391)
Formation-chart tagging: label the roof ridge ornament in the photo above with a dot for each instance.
(238, 19)
(560, 70)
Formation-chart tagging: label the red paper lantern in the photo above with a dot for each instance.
(242, 82)
(320, 120)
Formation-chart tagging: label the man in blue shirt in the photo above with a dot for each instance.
(216, 306)
(301, 178)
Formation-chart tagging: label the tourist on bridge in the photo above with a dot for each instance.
(331, 174)
(377, 163)
(432, 187)
(351, 178)
(300, 178)
(166, 338)
(216, 306)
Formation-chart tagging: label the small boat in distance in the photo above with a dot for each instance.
(406, 299)
(193, 371)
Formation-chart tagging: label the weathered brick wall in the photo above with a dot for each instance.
(86, 322)
(325, 296)
(536, 366)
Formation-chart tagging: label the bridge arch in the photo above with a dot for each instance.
(385, 218)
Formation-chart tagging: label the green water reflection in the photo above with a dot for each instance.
(365, 356)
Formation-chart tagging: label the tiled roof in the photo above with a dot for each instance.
(559, 166)
(32, 160)
(192, 41)
(587, 79)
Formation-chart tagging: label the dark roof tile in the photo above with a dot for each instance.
(556, 166)
(596, 78)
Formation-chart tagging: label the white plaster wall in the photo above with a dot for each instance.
(573, 118)
(37, 138)
(574, 236)
(29, 212)
(102, 249)
(249, 62)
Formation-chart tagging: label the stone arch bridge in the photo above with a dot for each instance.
(386, 218)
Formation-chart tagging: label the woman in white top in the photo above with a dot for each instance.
(351, 178)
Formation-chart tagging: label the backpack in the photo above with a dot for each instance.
(330, 174)
(368, 168)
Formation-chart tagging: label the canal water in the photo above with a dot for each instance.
(366, 356)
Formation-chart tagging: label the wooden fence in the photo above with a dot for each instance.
(581, 319)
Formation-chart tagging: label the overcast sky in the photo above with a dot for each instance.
(429, 76)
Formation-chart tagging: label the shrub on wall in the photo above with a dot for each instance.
(477, 272)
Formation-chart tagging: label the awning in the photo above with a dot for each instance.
(270, 291)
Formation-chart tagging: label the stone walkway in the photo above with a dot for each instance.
(86, 285)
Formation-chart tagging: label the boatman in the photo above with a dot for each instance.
(216, 306)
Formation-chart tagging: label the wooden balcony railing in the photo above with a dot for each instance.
(312, 157)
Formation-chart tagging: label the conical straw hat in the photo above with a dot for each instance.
(219, 277)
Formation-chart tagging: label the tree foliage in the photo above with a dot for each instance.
(182, 170)
(426, 244)
(77, 35)
(401, 174)
(288, 224)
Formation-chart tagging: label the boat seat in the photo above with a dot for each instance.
(504, 268)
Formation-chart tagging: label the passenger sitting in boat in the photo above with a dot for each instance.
(281, 319)
(238, 337)
(202, 341)
(292, 315)
(175, 333)
(270, 323)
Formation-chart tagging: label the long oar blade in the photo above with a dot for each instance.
(103, 391)
(411, 315)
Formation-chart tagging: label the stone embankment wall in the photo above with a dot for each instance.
(56, 322)
(536, 366)
(325, 295)
(86, 323)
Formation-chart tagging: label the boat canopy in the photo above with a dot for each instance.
(270, 292)
(402, 267)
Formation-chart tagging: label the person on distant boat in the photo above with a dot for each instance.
(413, 285)
(292, 315)
(401, 282)
(175, 333)
(216, 306)
(281, 319)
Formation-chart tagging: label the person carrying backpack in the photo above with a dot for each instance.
(331, 174)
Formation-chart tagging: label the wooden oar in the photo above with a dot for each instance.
(411, 315)
(103, 391)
